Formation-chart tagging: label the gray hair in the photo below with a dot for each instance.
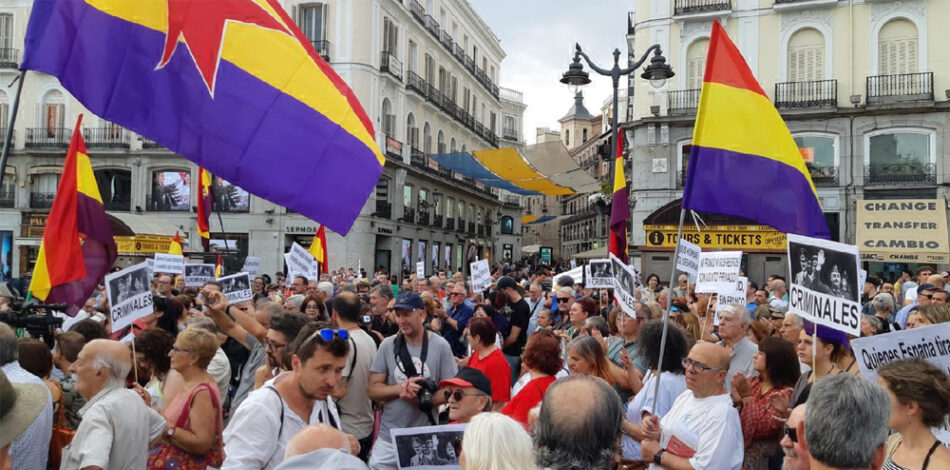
(118, 370)
(837, 405)
(597, 323)
(568, 290)
(883, 302)
(741, 311)
(296, 300)
(383, 290)
(796, 320)
(326, 287)
(875, 322)
(203, 323)
(577, 435)
(9, 348)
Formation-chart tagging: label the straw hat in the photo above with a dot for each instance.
(20, 404)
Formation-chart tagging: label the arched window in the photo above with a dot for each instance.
(464, 148)
(54, 113)
(115, 188)
(898, 48)
(426, 139)
(461, 213)
(452, 145)
(806, 56)
(440, 146)
(388, 119)
(412, 132)
(696, 64)
(507, 225)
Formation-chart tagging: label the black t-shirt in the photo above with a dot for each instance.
(520, 314)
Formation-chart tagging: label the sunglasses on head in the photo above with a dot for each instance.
(327, 335)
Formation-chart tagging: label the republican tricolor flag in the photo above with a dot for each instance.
(204, 207)
(620, 207)
(77, 249)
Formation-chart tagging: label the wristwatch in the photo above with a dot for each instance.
(170, 432)
(658, 456)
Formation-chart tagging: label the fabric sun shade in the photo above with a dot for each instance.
(507, 163)
(559, 167)
(468, 166)
(77, 248)
(247, 98)
(743, 150)
(536, 219)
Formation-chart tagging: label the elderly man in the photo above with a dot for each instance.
(702, 429)
(733, 323)
(796, 454)
(30, 449)
(117, 426)
(455, 320)
(535, 304)
(572, 433)
(882, 306)
(682, 286)
(379, 298)
(839, 405)
(319, 446)
(564, 300)
(299, 285)
(468, 394)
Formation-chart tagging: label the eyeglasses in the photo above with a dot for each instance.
(327, 335)
(453, 294)
(273, 345)
(563, 299)
(457, 395)
(792, 433)
(687, 362)
(927, 296)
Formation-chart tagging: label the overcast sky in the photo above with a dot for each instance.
(538, 38)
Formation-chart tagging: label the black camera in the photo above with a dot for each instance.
(425, 394)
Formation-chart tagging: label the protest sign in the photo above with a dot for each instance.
(718, 271)
(196, 275)
(421, 269)
(577, 274)
(573, 263)
(481, 275)
(862, 277)
(300, 263)
(903, 230)
(599, 274)
(236, 287)
(168, 263)
(625, 286)
(130, 295)
(150, 262)
(931, 343)
(735, 295)
(251, 265)
(427, 447)
(687, 258)
(823, 287)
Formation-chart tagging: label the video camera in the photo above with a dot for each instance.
(37, 325)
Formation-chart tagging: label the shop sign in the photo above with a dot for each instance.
(731, 237)
(142, 244)
(903, 230)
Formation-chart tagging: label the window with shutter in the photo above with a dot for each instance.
(806, 56)
(696, 64)
(413, 66)
(311, 19)
(6, 31)
(898, 51)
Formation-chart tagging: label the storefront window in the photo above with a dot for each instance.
(115, 188)
(821, 150)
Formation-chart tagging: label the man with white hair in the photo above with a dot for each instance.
(117, 426)
(733, 322)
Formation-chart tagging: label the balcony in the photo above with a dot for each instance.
(432, 26)
(806, 95)
(446, 40)
(682, 102)
(691, 7)
(423, 217)
(384, 210)
(459, 53)
(823, 176)
(898, 174)
(418, 12)
(417, 84)
(510, 133)
(450, 223)
(390, 64)
(150, 144)
(113, 137)
(323, 48)
(48, 137)
(41, 200)
(461, 224)
(7, 198)
(907, 87)
(9, 58)
(437, 220)
(434, 96)
(408, 215)
(784, 5)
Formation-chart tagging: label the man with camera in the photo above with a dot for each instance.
(405, 374)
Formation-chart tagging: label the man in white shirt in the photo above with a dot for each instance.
(270, 416)
(30, 450)
(356, 409)
(117, 426)
(702, 430)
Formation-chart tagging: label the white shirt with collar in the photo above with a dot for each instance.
(31, 449)
(256, 438)
(115, 432)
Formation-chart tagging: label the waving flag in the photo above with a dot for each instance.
(174, 248)
(204, 207)
(620, 208)
(744, 162)
(77, 248)
(232, 85)
(318, 248)
(218, 267)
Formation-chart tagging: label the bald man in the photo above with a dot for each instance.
(116, 424)
(702, 429)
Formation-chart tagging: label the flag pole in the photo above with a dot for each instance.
(217, 210)
(666, 313)
(9, 137)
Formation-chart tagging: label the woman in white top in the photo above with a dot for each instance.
(672, 382)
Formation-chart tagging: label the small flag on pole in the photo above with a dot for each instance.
(218, 267)
(318, 248)
(174, 248)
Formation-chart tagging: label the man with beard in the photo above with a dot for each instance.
(261, 428)
(796, 454)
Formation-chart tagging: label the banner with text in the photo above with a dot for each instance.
(251, 265)
(903, 231)
(718, 271)
(236, 287)
(481, 275)
(196, 275)
(421, 269)
(625, 286)
(168, 263)
(130, 295)
(599, 274)
(824, 285)
(300, 263)
(687, 259)
(735, 295)
(931, 343)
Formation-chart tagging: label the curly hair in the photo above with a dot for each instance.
(919, 381)
(648, 346)
(154, 344)
(543, 352)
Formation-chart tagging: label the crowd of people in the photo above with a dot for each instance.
(543, 371)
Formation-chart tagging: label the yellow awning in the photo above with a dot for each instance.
(508, 164)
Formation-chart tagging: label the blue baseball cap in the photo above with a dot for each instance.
(409, 300)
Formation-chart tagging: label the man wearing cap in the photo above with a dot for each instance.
(20, 407)
(924, 294)
(518, 319)
(468, 394)
(404, 364)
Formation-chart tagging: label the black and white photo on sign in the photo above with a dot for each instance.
(198, 274)
(236, 287)
(599, 274)
(130, 295)
(824, 286)
(625, 286)
(429, 447)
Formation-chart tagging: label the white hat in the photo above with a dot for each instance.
(20, 404)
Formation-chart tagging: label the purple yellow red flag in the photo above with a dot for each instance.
(742, 150)
(218, 267)
(232, 85)
(77, 248)
(318, 248)
(620, 207)
(174, 248)
(204, 207)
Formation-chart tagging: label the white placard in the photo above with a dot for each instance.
(687, 258)
(150, 262)
(599, 274)
(931, 343)
(577, 274)
(625, 286)
(481, 275)
(300, 263)
(736, 295)
(862, 277)
(196, 275)
(421, 269)
(427, 447)
(168, 263)
(130, 295)
(236, 287)
(573, 263)
(823, 287)
(718, 271)
(251, 265)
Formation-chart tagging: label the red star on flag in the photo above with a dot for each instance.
(202, 23)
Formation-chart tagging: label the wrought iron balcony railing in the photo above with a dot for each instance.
(323, 48)
(7, 198)
(48, 137)
(682, 101)
(824, 176)
(408, 214)
(685, 7)
(107, 138)
(9, 58)
(437, 220)
(900, 88)
(900, 173)
(450, 223)
(384, 210)
(423, 218)
(803, 95)
(389, 63)
(417, 84)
